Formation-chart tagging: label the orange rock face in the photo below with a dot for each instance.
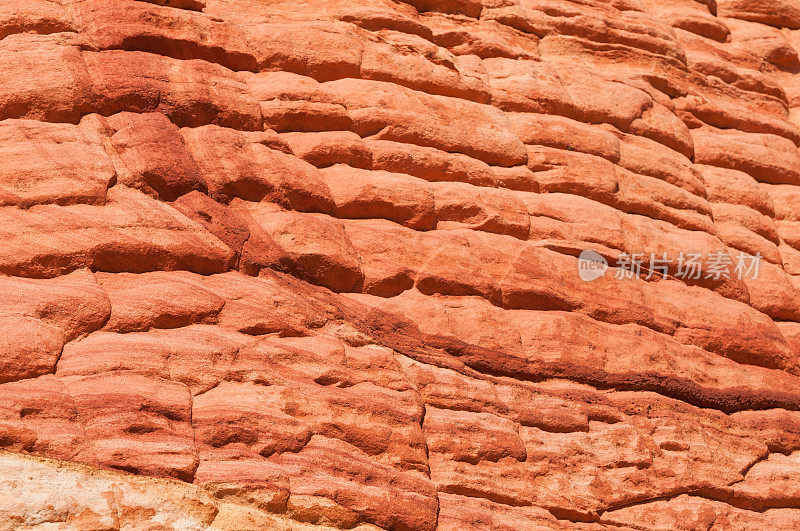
(322, 264)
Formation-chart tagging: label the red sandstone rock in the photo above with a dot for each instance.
(485, 38)
(191, 93)
(153, 156)
(314, 265)
(255, 167)
(324, 255)
(30, 348)
(291, 102)
(73, 302)
(325, 149)
(219, 219)
(131, 233)
(766, 158)
(323, 50)
(780, 13)
(460, 205)
(135, 423)
(37, 16)
(53, 163)
(430, 163)
(57, 91)
(405, 115)
(157, 300)
(145, 27)
(685, 512)
(467, 512)
(378, 194)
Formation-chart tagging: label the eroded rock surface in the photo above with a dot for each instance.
(314, 264)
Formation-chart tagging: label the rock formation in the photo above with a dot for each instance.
(315, 264)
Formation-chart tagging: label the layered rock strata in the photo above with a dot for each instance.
(315, 264)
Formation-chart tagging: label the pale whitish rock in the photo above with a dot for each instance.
(44, 493)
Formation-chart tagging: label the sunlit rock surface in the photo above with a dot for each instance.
(313, 264)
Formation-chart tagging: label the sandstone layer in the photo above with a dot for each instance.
(313, 264)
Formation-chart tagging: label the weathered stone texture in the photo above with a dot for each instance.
(313, 264)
